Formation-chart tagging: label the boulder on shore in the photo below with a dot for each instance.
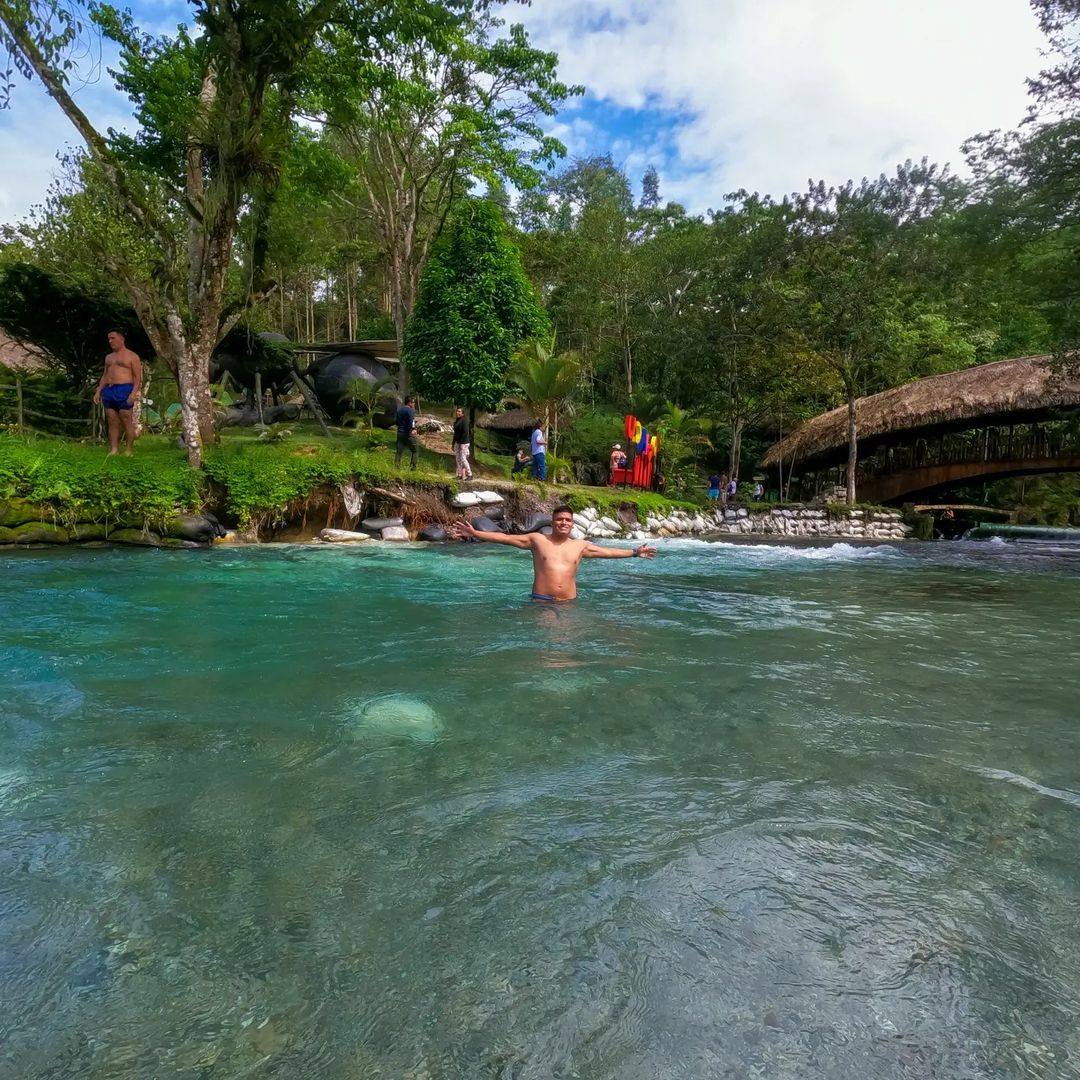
(395, 532)
(434, 534)
(486, 524)
(343, 536)
(375, 526)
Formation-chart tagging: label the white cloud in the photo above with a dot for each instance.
(761, 94)
(765, 94)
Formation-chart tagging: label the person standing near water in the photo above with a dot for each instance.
(539, 453)
(406, 438)
(118, 390)
(463, 470)
(556, 557)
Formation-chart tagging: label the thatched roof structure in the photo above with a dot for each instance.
(1007, 391)
(19, 356)
(508, 422)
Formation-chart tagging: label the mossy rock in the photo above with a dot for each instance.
(145, 538)
(88, 530)
(34, 532)
(140, 537)
(18, 512)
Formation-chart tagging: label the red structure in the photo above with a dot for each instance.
(643, 449)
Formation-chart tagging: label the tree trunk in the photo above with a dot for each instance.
(735, 457)
(196, 406)
(853, 446)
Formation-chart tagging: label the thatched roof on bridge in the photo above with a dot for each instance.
(1021, 390)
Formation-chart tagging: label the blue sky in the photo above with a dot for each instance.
(717, 94)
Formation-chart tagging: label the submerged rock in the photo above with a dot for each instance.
(396, 716)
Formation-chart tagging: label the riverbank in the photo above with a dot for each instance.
(296, 489)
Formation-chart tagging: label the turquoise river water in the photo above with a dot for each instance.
(745, 811)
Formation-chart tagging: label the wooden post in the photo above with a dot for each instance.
(18, 404)
(258, 396)
(310, 401)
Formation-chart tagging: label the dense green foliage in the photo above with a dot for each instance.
(475, 306)
(66, 319)
(80, 483)
(722, 330)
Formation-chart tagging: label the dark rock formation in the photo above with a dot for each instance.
(198, 528)
(486, 524)
(436, 534)
(375, 526)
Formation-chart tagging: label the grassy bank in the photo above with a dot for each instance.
(250, 480)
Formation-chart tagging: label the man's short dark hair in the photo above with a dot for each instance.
(562, 508)
(115, 331)
(410, 400)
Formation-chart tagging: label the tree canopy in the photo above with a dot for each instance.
(475, 305)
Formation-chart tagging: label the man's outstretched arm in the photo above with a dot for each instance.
(463, 530)
(594, 551)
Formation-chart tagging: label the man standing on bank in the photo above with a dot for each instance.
(118, 391)
(462, 468)
(556, 557)
(406, 436)
(539, 453)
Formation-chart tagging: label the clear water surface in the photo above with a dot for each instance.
(742, 812)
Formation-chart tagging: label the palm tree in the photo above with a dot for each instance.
(368, 397)
(680, 433)
(546, 380)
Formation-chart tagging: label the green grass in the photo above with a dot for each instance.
(255, 480)
(81, 483)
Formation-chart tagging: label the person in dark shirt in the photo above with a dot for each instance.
(714, 486)
(462, 468)
(406, 438)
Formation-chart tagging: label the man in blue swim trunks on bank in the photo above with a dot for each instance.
(118, 391)
(556, 557)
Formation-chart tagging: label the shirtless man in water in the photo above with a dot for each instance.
(118, 390)
(555, 557)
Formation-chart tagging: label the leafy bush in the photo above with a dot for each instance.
(81, 483)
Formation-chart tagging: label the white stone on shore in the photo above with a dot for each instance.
(342, 536)
(488, 498)
(466, 498)
(395, 532)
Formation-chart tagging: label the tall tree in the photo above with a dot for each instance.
(475, 305)
(446, 100)
(214, 113)
(650, 189)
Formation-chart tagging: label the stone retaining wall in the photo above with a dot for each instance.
(793, 521)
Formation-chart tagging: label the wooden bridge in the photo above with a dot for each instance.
(1009, 418)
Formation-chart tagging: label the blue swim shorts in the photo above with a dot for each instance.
(116, 397)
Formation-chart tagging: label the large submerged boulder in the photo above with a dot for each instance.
(395, 717)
